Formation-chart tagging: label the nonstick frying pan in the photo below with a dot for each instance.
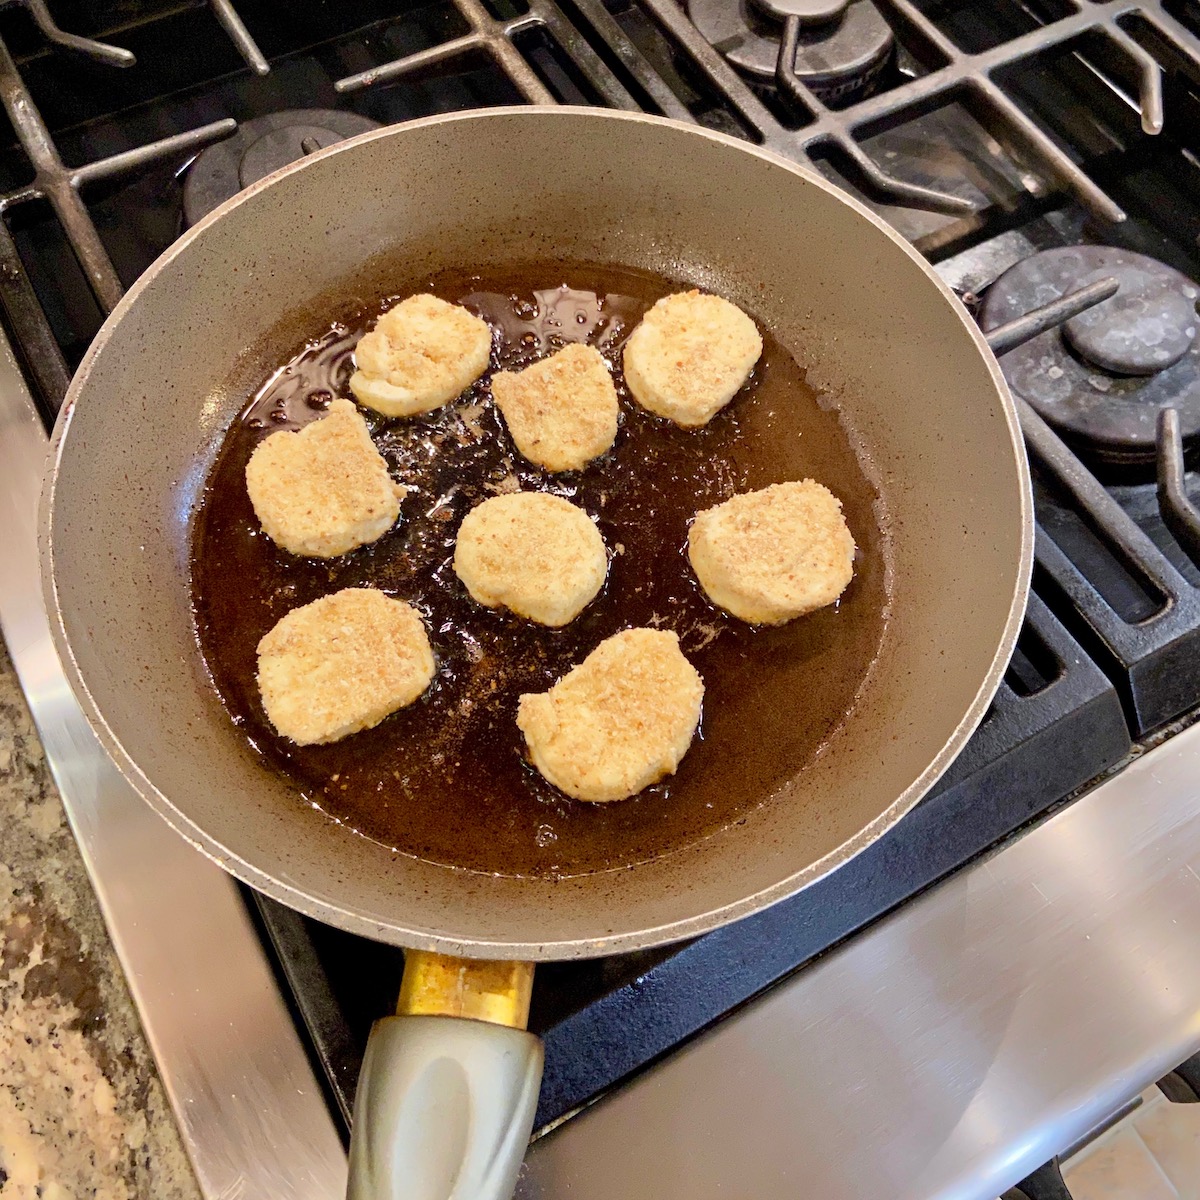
(445, 1105)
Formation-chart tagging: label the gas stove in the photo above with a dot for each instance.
(1027, 148)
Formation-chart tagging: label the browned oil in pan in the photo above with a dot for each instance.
(445, 780)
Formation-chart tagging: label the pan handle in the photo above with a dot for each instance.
(449, 1085)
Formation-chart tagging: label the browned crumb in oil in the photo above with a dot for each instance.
(446, 780)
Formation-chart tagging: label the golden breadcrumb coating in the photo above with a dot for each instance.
(421, 354)
(775, 554)
(324, 490)
(619, 721)
(689, 356)
(562, 411)
(533, 553)
(341, 664)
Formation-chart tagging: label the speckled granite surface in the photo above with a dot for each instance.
(82, 1113)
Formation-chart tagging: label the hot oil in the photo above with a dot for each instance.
(445, 779)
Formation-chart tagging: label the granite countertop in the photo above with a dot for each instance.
(82, 1111)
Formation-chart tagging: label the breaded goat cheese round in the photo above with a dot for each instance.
(324, 490)
(619, 721)
(775, 554)
(562, 411)
(533, 553)
(421, 354)
(689, 356)
(341, 664)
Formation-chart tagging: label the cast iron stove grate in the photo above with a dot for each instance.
(983, 134)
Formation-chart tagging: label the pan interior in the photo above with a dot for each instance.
(838, 291)
(445, 780)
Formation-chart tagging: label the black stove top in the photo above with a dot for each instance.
(985, 134)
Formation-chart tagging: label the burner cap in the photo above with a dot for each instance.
(810, 11)
(836, 59)
(1145, 328)
(259, 147)
(1103, 376)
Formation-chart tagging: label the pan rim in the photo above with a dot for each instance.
(414, 936)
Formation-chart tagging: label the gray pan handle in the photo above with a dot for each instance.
(444, 1107)
(443, 1111)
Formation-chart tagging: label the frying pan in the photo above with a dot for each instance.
(445, 1105)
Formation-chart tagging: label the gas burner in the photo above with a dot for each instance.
(1103, 376)
(838, 57)
(259, 147)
